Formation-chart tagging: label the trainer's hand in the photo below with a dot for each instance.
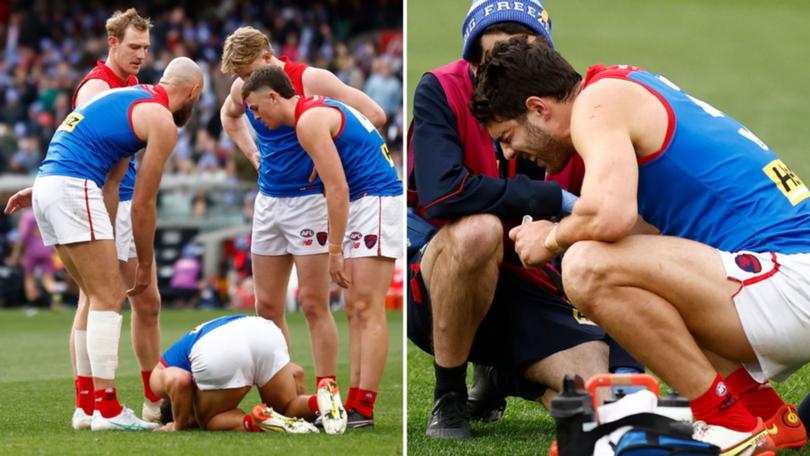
(168, 427)
(143, 276)
(530, 243)
(19, 200)
(337, 271)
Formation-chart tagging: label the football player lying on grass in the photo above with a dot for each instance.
(206, 374)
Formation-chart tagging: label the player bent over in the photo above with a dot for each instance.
(719, 303)
(208, 372)
(89, 150)
(364, 203)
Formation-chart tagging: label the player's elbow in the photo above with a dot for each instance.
(378, 117)
(613, 225)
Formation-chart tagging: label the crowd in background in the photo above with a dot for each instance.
(48, 46)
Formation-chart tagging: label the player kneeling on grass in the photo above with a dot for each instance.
(208, 372)
(363, 198)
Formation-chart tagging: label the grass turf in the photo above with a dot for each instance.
(747, 58)
(37, 400)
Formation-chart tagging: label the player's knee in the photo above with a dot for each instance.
(365, 310)
(477, 239)
(146, 307)
(269, 312)
(585, 270)
(314, 303)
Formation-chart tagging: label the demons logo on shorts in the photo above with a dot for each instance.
(307, 233)
(748, 263)
(321, 237)
(370, 240)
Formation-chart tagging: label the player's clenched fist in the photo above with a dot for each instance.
(530, 243)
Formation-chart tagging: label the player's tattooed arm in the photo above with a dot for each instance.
(235, 125)
(321, 82)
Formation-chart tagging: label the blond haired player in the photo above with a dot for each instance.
(290, 218)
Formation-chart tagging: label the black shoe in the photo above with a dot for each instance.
(486, 402)
(357, 420)
(449, 418)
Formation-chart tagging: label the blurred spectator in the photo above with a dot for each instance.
(27, 158)
(36, 260)
(185, 282)
(383, 87)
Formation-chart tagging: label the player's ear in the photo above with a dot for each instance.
(536, 105)
(112, 41)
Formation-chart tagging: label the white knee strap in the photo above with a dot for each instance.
(103, 333)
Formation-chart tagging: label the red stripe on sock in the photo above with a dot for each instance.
(364, 402)
(351, 398)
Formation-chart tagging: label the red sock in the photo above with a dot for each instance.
(107, 402)
(313, 403)
(719, 406)
(351, 398)
(84, 394)
(318, 379)
(364, 402)
(759, 398)
(147, 390)
(249, 425)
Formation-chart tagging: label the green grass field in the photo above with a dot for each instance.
(36, 394)
(747, 58)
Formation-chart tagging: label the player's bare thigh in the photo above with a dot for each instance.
(687, 274)
(96, 267)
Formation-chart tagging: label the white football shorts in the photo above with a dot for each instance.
(70, 210)
(375, 227)
(124, 242)
(296, 225)
(245, 352)
(773, 303)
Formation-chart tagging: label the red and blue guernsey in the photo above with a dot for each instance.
(368, 166)
(285, 166)
(714, 181)
(106, 74)
(94, 137)
(178, 354)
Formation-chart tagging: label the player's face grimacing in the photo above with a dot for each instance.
(265, 107)
(130, 52)
(521, 138)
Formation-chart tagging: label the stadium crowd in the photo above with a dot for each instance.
(47, 47)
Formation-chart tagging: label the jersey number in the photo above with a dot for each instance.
(70, 122)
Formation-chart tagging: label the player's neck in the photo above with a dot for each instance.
(115, 68)
(275, 61)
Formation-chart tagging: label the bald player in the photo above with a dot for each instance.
(91, 147)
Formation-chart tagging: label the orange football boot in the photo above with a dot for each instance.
(785, 428)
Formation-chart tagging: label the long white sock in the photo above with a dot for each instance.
(82, 360)
(103, 333)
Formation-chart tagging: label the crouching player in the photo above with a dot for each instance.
(364, 204)
(211, 369)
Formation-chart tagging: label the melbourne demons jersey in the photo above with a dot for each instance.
(178, 354)
(368, 166)
(106, 74)
(713, 181)
(94, 137)
(285, 166)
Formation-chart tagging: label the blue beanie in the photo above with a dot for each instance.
(484, 13)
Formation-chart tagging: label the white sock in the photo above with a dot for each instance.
(103, 333)
(82, 360)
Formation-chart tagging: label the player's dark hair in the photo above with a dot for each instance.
(515, 71)
(509, 28)
(166, 415)
(269, 76)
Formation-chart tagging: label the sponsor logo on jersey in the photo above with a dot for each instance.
(748, 263)
(787, 182)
